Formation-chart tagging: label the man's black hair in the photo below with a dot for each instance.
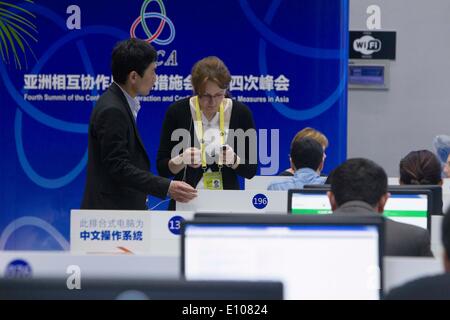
(306, 153)
(358, 179)
(131, 55)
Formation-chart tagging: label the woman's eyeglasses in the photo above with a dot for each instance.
(209, 97)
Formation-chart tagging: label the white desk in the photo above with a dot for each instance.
(165, 232)
(54, 264)
(237, 201)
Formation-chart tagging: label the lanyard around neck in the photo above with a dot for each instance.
(200, 129)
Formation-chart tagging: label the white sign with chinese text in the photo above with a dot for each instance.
(137, 232)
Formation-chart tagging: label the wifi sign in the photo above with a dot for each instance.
(367, 45)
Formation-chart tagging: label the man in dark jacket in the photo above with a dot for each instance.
(359, 187)
(118, 169)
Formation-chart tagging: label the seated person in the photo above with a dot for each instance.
(446, 170)
(358, 188)
(420, 167)
(435, 287)
(441, 144)
(307, 162)
(308, 133)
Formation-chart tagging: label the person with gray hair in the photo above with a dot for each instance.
(441, 144)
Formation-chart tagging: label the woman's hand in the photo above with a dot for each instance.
(190, 157)
(228, 157)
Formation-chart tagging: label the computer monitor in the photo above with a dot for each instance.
(407, 206)
(325, 187)
(139, 289)
(309, 201)
(316, 257)
(436, 195)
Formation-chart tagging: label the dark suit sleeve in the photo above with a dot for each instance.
(425, 245)
(246, 169)
(165, 144)
(398, 293)
(112, 133)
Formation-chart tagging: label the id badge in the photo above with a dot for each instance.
(213, 180)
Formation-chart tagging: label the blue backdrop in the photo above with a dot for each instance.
(288, 59)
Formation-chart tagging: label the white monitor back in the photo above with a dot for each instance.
(436, 242)
(262, 182)
(399, 270)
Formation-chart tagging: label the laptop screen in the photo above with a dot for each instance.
(317, 261)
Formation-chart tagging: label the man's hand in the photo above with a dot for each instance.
(181, 191)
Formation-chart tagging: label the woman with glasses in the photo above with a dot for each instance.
(207, 140)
